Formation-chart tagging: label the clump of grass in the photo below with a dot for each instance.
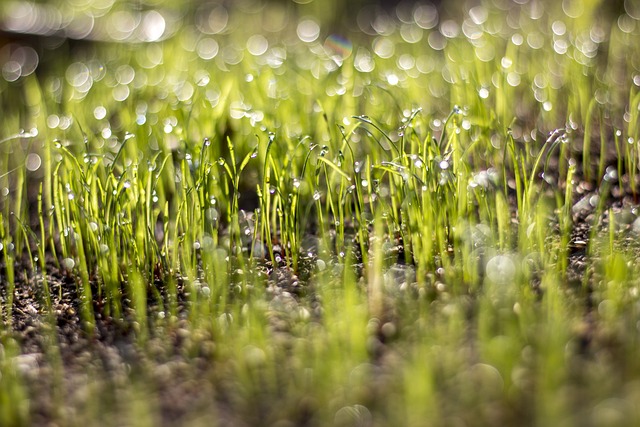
(433, 223)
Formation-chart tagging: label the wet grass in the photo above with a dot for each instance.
(428, 220)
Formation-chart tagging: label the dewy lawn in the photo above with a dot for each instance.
(305, 213)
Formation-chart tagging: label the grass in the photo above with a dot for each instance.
(431, 225)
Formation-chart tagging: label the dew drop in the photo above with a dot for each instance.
(500, 269)
(68, 263)
(100, 112)
(33, 162)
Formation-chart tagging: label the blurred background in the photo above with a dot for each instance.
(114, 20)
(31, 29)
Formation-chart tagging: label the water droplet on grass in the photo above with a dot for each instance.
(68, 263)
(100, 112)
(308, 30)
(339, 47)
(317, 195)
(212, 214)
(33, 162)
(356, 415)
(611, 174)
(501, 269)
